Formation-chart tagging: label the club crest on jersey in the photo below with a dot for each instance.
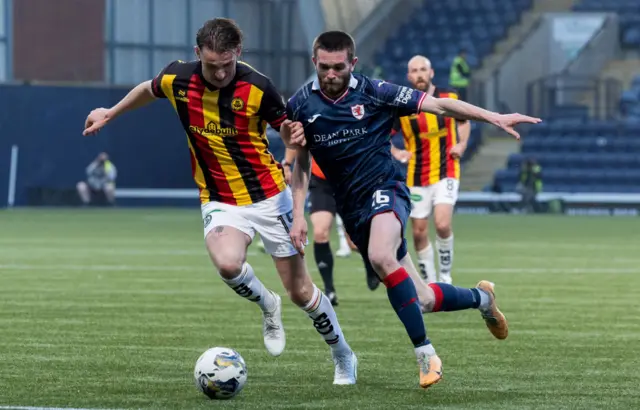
(237, 104)
(357, 111)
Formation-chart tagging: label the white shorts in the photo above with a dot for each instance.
(424, 198)
(271, 218)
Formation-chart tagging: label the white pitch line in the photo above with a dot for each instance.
(46, 408)
(177, 268)
(607, 270)
(142, 268)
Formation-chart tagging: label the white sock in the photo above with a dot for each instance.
(485, 299)
(325, 321)
(445, 255)
(427, 265)
(249, 287)
(341, 234)
(426, 350)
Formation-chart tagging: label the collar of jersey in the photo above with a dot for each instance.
(353, 83)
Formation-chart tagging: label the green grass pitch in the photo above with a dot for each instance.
(111, 308)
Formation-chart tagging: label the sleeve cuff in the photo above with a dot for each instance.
(424, 95)
(278, 122)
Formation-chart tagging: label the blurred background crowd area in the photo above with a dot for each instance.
(575, 63)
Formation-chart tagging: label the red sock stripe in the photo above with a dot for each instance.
(395, 278)
(439, 296)
(410, 302)
(315, 303)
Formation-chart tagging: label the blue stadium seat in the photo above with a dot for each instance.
(631, 37)
(439, 29)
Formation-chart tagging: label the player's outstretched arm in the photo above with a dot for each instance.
(465, 111)
(299, 187)
(139, 96)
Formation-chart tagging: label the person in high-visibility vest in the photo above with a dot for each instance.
(460, 74)
(530, 184)
(100, 181)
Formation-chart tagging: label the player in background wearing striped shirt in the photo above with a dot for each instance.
(433, 147)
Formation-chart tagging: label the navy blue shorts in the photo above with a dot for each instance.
(394, 198)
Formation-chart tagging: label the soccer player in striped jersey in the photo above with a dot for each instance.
(433, 147)
(224, 106)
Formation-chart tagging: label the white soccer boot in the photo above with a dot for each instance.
(346, 368)
(446, 278)
(344, 251)
(273, 329)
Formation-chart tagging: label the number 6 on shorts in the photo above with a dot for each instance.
(380, 198)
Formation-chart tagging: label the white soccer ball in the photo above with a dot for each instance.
(220, 373)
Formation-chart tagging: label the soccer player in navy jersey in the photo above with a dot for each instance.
(344, 120)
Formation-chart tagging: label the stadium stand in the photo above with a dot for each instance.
(439, 29)
(629, 12)
(582, 157)
(579, 154)
(629, 15)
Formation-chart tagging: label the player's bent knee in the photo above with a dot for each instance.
(321, 235)
(321, 222)
(443, 228)
(228, 261)
(229, 269)
(383, 261)
(81, 186)
(419, 230)
(301, 295)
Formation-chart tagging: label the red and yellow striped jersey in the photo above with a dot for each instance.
(230, 158)
(429, 138)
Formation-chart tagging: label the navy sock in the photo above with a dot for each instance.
(404, 300)
(450, 298)
(324, 261)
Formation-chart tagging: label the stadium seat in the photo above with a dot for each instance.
(631, 37)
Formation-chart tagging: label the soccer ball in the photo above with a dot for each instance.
(220, 373)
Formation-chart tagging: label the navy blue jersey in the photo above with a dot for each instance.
(349, 137)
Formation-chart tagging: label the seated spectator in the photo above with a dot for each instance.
(530, 184)
(101, 181)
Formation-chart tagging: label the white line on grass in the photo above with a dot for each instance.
(45, 408)
(176, 268)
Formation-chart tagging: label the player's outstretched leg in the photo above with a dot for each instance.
(307, 296)
(443, 297)
(227, 248)
(449, 298)
(321, 221)
(493, 317)
(385, 244)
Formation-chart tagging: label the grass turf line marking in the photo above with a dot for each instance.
(175, 268)
(45, 408)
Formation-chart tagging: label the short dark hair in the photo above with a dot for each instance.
(220, 35)
(335, 41)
